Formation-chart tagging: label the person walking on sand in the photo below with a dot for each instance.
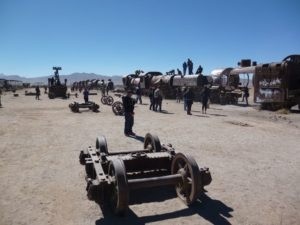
(138, 93)
(86, 95)
(189, 96)
(103, 87)
(205, 96)
(37, 93)
(128, 104)
(157, 99)
(151, 98)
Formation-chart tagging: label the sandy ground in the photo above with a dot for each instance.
(253, 157)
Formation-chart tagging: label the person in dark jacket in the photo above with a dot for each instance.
(205, 97)
(128, 104)
(199, 70)
(37, 93)
(189, 96)
(184, 66)
(190, 66)
(179, 72)
(110, 86)
(151, 97)
(86, 95)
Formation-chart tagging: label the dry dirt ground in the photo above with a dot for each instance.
(253, 156)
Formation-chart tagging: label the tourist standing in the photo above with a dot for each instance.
(151, 98)
(189, 96)
(110, 86)
(37, 93)
(86, 95)
(184, 66)
(190, 66)
(205, 97)
(157, 99)
(138, 95)
(246, 95)
(128, 104)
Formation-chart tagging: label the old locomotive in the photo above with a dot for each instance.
(110, 176)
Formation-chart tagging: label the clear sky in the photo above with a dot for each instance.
(116, 37)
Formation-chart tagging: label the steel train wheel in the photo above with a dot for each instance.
(119, 194)
(190, 187)
(51, 95)
(74, 107)
(118, 108)
(101, 144)
(109, 100)
(152, 143)
(103, 100)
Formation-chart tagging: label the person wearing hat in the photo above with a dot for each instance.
(128, 104)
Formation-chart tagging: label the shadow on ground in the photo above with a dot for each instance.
(212, 210)
(216, 114)
(137, 137)
(165, 112)
(201, 115)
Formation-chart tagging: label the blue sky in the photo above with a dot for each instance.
(111, 37)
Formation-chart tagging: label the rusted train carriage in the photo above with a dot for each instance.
(10, 85)
(143, 80)
(277, 85)
(167, 83)
(225, 88)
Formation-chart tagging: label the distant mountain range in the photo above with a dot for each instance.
(71, 78)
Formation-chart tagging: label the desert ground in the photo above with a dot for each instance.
(253, 156)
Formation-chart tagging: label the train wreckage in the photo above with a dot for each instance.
(275, 84)
(111, 175)
(56, 88)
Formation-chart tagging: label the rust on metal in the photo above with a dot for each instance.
(110, 176)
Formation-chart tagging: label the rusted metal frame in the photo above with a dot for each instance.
(128, 155)
(154, 181)
(97, 164)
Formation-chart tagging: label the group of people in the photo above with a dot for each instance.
(189, 65)
(156, 97)
(106, 87)
(188, 68)
(189, 96)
